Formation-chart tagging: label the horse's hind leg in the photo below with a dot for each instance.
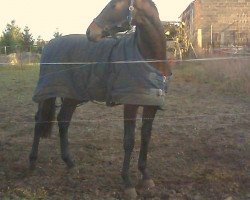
(43, 125)
(147, 122)
(64, 118)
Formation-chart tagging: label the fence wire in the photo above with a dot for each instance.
(84, 64)
(79, 65)
(177, 117)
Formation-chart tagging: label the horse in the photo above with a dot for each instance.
(62, 75)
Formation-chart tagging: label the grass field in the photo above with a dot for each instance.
(200, 145)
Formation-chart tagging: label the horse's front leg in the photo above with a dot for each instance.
(130, 112)
(64, 118)
(147, 122)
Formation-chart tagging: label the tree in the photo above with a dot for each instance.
(2, 48)
(40, 44)
(12, 37)
(28, 40)
(57, 34)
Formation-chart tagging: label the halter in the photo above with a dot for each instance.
(129, 18)
(131, 8)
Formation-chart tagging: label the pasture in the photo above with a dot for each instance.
(199, 150)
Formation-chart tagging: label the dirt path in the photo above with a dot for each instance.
(199, 150)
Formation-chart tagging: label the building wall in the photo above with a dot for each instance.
(217, 22)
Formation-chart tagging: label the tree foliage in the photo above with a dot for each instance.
(12, 37)
(57, 34)
(40, 44)
(27, 39)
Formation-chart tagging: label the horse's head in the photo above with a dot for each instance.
(116, 17)
(119, 15)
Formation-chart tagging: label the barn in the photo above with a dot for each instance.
(216, 24)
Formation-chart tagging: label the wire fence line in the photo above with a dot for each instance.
(79, 65)
(178, 117)
(136, 61)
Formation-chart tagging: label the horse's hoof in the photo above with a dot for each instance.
(146, 184)
(73, 171)
(69, 162)
(130, 194)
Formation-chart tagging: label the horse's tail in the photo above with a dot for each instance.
(45, 117)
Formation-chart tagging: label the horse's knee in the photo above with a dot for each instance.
(62, 123)
(129, 144)
(147, 125)
(63, 126)
(129, 136)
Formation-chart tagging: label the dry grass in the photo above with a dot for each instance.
(224, 76)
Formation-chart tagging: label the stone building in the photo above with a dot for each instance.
(217, 23)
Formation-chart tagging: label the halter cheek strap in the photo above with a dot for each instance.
(131, 8)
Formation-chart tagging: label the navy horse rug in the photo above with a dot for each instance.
(74, 67)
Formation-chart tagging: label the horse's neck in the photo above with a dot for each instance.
(152, 43)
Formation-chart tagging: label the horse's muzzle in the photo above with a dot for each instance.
(94, 32)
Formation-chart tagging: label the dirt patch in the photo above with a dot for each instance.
(199, 150)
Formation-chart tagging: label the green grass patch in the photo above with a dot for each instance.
(17, 83)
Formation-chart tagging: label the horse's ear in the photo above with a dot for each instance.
(142, 5)
(137, 18)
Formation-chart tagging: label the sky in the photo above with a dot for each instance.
(45, 17)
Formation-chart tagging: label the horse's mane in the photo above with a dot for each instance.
(152, 3)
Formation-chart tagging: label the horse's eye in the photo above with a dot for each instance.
(113, 6)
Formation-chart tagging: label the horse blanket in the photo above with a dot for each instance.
(74, 67)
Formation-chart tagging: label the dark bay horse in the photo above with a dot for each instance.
(148, 40)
